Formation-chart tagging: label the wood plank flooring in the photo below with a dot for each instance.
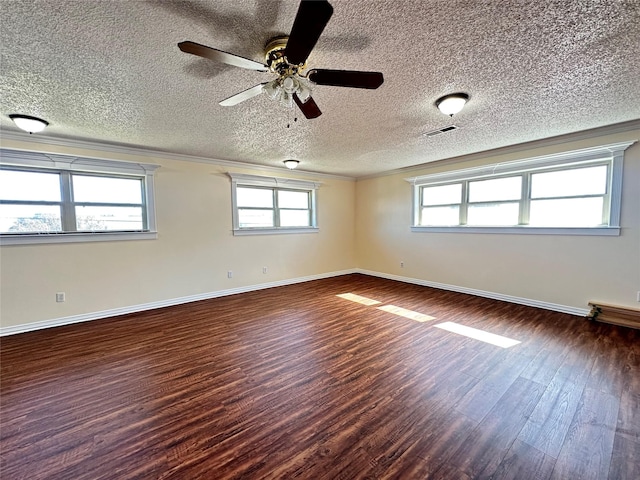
(296, 382)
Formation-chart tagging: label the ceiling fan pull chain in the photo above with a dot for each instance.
(291, 114)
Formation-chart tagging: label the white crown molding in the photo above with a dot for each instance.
(519, 147)
(480, 293)
(128, 150)
(583, 155)
(145, 152)
(28, 158)
(86, 317)
(258, 180)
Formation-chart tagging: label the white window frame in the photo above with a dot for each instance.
(65, 164)
(611, 155)
(274, 183)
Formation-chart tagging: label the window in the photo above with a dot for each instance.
(574, 192)
(272, 205)
(441, 204)
(494, 202)
(54, 198)
(574, 197)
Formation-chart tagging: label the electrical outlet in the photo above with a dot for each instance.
(229, 274)
(401, 264)
(60, 297)
(638, 296)
(264, 269)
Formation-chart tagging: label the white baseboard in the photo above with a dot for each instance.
(481, 293)
(86, 317)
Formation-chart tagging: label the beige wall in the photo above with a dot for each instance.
(362, 225)
(563, 270)
(194, 250)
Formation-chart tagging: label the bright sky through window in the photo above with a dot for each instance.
(33, 202)
(568, 193)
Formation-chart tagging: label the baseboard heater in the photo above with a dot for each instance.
(616, 314)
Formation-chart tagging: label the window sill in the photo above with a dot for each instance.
(40, 238)
(274, 231)
(602, 231)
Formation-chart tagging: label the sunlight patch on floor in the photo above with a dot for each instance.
(476, 334)
(403, 312)
(358, 299)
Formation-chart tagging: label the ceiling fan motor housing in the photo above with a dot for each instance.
(276, 60)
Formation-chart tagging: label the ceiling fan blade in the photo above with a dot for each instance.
(242, 96)
(309, 108)
(312, 17)
(346, 78)
(220, 56)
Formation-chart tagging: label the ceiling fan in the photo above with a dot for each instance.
(287, 57)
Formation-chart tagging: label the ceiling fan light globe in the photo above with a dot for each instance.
(289, 85)
(272, 89)
(306, 83)
(286, 99)
(304, 89)
(304, 94)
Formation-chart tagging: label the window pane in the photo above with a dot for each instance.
(493, 214)
(288, 199)
(106, 189)
(294, 218)
(441, 216)
(566, 212)
(443, 195)
(495, 190)
(109, 218)
(33, 186)
(567, 183)
(254, 197)
(30, 218)
(255, 218)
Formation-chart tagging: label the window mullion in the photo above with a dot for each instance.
(276, 209)
(525, 200)
(606, 198)
(67, 207)
(145, 210)
(417, 204)
(313, 219)
(465, 203)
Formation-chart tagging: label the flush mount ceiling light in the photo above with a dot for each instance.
(452, 104)
(28, 123)
(291, 164)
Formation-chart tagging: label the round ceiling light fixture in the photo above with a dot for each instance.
(452, 104)
(291, 164)
(28, 123)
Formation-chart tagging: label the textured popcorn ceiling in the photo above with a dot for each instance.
(111, 71)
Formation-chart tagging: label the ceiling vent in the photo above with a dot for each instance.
(433, 133)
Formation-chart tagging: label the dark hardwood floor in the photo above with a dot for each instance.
(295, 382)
